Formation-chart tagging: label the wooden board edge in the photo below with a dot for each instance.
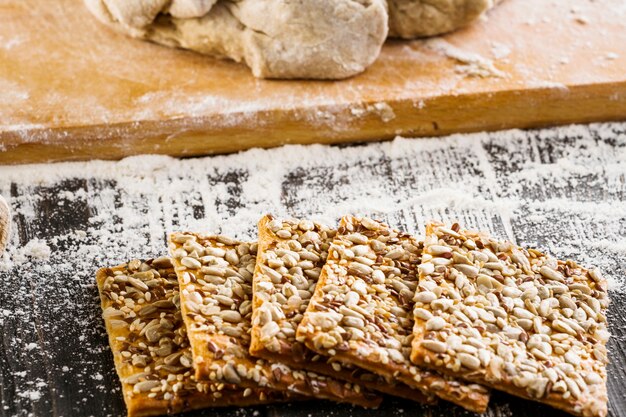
(327, 125)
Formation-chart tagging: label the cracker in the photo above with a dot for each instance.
(513, 319)
(215, 277)
(291, 255)
(361, 311)
(5, 224)
(150, 346)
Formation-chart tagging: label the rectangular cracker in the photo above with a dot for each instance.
(215, 277)
(361, 311)
(513, 319)
(143, 321)
(291, 254)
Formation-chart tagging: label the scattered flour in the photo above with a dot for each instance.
(159, 194)
(471, 64)
(562, 190)
(382, 109)
(30, 394)
(36, 250)
(615, 284)
(500, 50)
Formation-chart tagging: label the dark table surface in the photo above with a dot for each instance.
(562, 190)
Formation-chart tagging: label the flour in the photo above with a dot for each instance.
(471, 64)
(500, 50)
(13, 92)
(160, 194)
(35, 250)
(382, 109)
(10, 43)
(30, 394)
(561, 190)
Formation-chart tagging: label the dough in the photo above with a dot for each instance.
(185, 9)
(321, 39)
(418, 18)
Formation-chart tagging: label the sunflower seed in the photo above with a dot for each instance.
(434, 346)
(191, 263)
(360, 269)
(469, 361)
(423, 314)
(231, 316)
(435, 323)
(146, 386)
(231, 375)
(551, 274)
(357, 238)
(439, 250)
(467, 270)
(370, 224)
(269, 330)
(596, 275)
(520, 309)
(425, 297)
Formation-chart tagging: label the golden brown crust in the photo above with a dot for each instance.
(306, 241)
(257, 348)
(540, 331)
(134, 280)
(5, 224)
(361, 312)
(215, 277)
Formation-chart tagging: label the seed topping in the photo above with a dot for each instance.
(361, 309)
(512, 318)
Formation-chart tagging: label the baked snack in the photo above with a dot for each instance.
(291, 254)
(5, 224)
(215, 277)
(361, 311)
(517, 320)
(150, 345)
(322, 39)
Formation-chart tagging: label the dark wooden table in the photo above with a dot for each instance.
(563, 191)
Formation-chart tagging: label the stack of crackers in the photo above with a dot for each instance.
(349, 313)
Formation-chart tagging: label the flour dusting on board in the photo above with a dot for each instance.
(34, 250)
(471, 63)
(562, 190)
(156, 194)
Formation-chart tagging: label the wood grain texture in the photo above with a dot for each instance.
(54, 357)
(74, 90)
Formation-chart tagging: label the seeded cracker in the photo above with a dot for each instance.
(150, 345)
(5, 224)
(290, 257)
(215, 277)
(514, 319)
(361, 313)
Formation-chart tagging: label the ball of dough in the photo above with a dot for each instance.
(319, 39)
(419, 18)
(186, 9)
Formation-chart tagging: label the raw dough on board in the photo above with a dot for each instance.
(320, 39)
(418, 18)
(186, 9)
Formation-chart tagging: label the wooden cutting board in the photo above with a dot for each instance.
(71, 89)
